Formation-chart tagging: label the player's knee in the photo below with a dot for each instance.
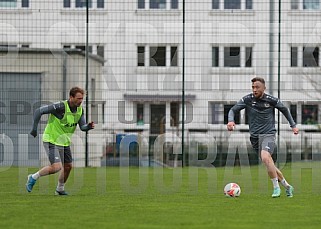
(56, 167)
(265, 157)
(68, 166)
(265, 160)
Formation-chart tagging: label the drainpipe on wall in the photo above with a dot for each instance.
(271, 47)
(64, 75)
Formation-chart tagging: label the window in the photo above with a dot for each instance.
(173, 56)
(98, 50)
(67, 4)
(226, 110)
(25, 3)
(101, 51)
(219, 113)
(93, 91)
(141, 4)
(100, 3)
(8, 3)
(310, 56)
(140, 56)
(248, 57)
(140, 114)
(248, 4)
(215, 113)
(83, 48)
(232, 57)
(94, 107)
(159, 56)
(156, 4)
(294, 4)
(83, 3)
(293, 111)
(215, 57)
(305, 4)
(311, 4)
(174, 114)
(232, 4)
(174, 4)
(215, 4)
(309, 114)
(294, 56)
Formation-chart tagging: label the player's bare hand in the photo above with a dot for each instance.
(91, 125)
(230, 126)
(295, 130)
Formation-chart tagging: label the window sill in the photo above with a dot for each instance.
(232, 71)
(4, 10)
(232, 13)
(68, 11)
(158, 70)
(304, 13)
(158, 12)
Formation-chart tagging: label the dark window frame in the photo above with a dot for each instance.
(232, 56)
(310, 114)
(215, 56)
(157, 56)
(232, 4)
(294, 56)
(311, 58)
(248, 57)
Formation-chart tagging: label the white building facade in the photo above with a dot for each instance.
(225, 42)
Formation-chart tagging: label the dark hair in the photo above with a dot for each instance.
(73, 91)
(260, 79)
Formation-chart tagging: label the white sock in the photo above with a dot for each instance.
(285, 184)
(35, 176)
(275, 182)
(60, 186)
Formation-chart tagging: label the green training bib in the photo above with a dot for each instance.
(59, 131)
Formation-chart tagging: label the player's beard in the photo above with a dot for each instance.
(258, 95)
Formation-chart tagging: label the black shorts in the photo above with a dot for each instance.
(58, 153)
(263, 142)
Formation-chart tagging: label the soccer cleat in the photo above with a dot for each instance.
(30, 183)
(61, 193)
(289, 191)
(276, 192)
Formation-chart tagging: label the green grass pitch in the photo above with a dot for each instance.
(161, 198)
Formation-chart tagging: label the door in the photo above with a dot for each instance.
(157, 119)
(20, 93)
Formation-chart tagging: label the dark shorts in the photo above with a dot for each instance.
(58, 153)
(263, 142)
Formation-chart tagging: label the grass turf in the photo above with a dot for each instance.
(161, 198)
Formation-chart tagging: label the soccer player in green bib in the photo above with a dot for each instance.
(63, 119)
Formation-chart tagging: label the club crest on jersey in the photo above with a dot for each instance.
(266, 104)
